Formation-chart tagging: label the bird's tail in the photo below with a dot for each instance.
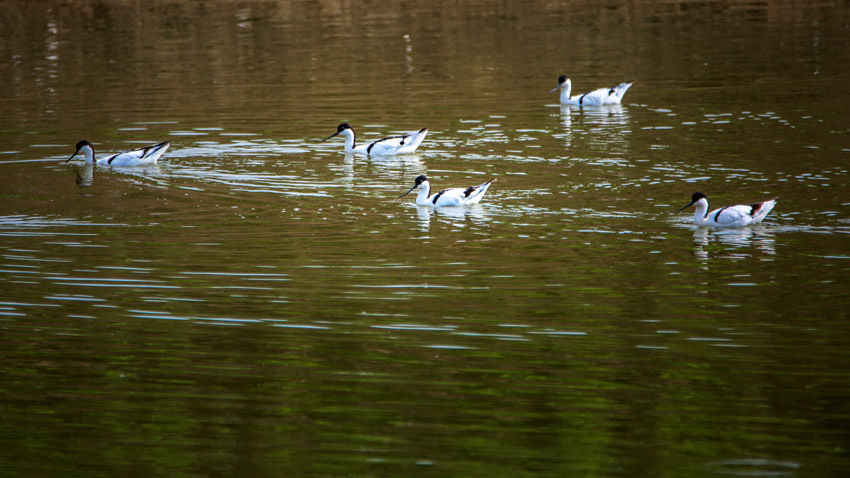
(152, 153)
(477, 192)
(621, 89)
(418, 137)
(763, 210)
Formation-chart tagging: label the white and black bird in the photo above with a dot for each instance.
(447, 197)
(388, 146)
(728, 216)
(601, 96)
(137, 157)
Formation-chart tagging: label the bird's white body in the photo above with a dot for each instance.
(448, 197)
(729, 216)
(388, 146)
(601, 96)
(137, 157)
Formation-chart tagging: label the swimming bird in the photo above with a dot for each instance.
(602, 96)
(398, 144)
(447, 197)
(137, 157)
(728, 216)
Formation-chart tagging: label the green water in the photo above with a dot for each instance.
(261, 304)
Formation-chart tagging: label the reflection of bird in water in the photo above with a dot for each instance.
(447, 197)
(732, 237)
(401, 164)
(566, 123)
(408, 54)
(566, 118)
(756, 236)
(424, 214)
(728, 216)
(137, 157)
(601, 96)
(453, 215)
(391, 166)
(390, 145)
(614, 112)
(603, 115)
(604, 126)
(85, 175)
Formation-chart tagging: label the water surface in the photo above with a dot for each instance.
(261, 303)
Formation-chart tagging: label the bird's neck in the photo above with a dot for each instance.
(566, 89)
(350, 140)
(88, 151)
(701, 211)
(424, 193)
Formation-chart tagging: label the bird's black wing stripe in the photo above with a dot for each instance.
(437, 196)
(373, 143)
(717, 216)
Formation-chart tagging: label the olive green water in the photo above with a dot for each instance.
(261, 304)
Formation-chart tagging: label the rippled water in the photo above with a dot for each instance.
(260, 303)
